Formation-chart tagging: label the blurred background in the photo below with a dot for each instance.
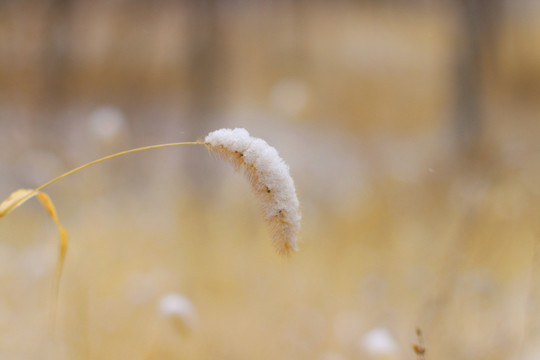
(411, 130)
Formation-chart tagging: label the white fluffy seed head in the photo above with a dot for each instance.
(269, 177)
(179, 310)
(379, 342)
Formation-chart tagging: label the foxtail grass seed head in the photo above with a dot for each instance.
(269, 177)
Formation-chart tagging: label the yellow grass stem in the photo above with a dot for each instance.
(115, 155)
(20, 196)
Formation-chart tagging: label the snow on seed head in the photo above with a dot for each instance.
(269, 177)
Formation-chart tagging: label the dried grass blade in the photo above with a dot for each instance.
(20, 196)
(64, 238)
(15, 199)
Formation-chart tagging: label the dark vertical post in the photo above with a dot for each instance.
(478, 29)
(205, 75)
(206, 63)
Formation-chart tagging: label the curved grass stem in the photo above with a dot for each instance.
(107, 158)
(20, 196)
(22, 199)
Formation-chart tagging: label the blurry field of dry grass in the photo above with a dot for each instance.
(399, 229)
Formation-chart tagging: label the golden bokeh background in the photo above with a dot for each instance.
(412, 132)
